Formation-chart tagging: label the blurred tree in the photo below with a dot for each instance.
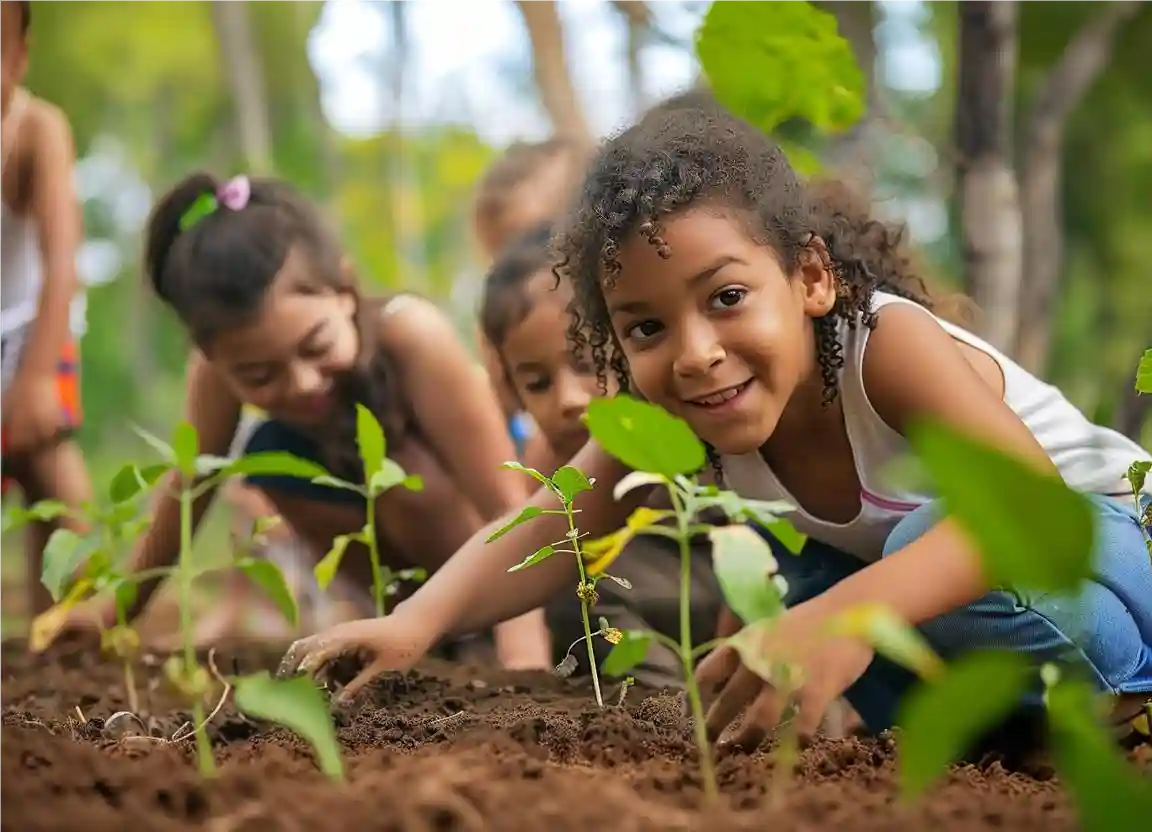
(638, 19)
(245, 76)
(550, 68)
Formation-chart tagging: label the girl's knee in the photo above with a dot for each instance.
(913, 526)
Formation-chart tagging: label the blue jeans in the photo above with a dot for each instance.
(1104, 630)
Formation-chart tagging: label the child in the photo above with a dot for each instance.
(42, 312)
(702, 283)
(524, 317)
(278, 323)
(529, 184)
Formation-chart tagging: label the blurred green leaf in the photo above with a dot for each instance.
(543, 553)
(370, 441)
(744, 567)
(325, 570)
(64, 554)
(644, 437)
(185, 448)
(1144, 373)
(267, 575)
(570, 481)
(299, 706)
(630, 651)
(527, 513)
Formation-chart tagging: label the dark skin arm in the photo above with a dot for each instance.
(912, 370)
(457, 411)
(475, 590)
(56, 212)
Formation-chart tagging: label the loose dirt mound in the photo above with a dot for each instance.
(451, 748)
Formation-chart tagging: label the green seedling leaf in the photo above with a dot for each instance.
(752, 644)
(744, 567)
(1144, 373)
(941, 720)
(185, 448)
(634, 480)
(131, 480)
(527, 513)
(329, 481)
(126, 591)
(644, 437)
(764, 513)
(299, 706)
(64, 554)
(540, 554)
(569, 482)
(159, 445)
(532, 472)
(267, 575)
(209, 464)
(267, 463)
(890, 636)
(1110, 795)
(774, 62)
(626, 653)
(370, 441)
(40, 512)
(1137, 474)
(389, 476)
(325, 570)
(1011, 511)
(413, 482)
(416, 574)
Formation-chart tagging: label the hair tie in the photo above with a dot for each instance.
(233, 195)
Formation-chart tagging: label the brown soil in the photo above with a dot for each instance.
(452, 748)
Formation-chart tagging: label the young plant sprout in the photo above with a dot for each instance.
(663, 451)
(91, 558)
(1138, 472)
(566, 483)
(380, 475)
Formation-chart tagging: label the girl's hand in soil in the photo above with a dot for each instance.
(375, 646)
(823, 666)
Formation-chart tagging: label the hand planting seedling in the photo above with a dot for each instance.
(662, 450)
(380, 475)
(566, 483)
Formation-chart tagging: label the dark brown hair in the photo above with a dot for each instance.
(690, 151)
(215, 275)
(519, 163)
(505, 303)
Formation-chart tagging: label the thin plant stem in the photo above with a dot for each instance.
(129, 673)
(707, 768)
(573, 535)
(203, 746)
(374, 557)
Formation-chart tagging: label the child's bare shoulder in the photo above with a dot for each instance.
(409, 322)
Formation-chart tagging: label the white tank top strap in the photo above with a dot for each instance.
(1091, 458)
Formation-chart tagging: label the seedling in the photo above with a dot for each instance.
(1138, 471)
(193, 475)
(663, 451)
(566, 483)
(380, 475)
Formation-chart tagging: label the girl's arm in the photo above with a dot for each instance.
(454, 406)
(57, 214)
(457, 410)
(474, 590)
(214, 412)
(914, 370)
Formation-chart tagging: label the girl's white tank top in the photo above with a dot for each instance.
(1091, 458)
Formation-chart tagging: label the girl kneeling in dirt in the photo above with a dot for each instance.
(524, 318)
(278, 322)
(702, 278)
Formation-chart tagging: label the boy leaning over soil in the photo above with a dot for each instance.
(42, 312)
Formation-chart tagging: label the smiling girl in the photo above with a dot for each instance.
(278, 322)
(711, 282)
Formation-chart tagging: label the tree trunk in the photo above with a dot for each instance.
(1061, 91)
(988, 195)
(245, 82)
(550, 68)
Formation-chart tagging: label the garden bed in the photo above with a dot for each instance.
(449, 747)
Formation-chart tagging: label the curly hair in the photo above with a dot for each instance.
(690, 152)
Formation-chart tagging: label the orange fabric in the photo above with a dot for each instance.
(68, 388)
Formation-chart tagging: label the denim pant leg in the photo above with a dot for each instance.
(1103, 630)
